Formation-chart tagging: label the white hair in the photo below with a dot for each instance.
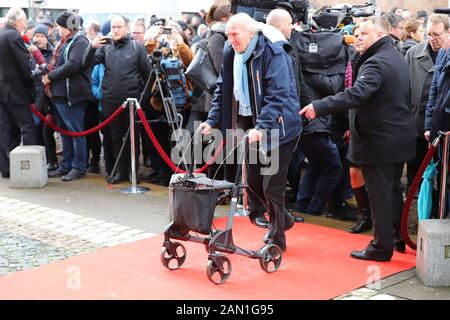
(243, 20)
(14, 14)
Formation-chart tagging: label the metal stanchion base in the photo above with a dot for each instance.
(136, 190)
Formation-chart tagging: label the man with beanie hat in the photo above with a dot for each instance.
(68, 85)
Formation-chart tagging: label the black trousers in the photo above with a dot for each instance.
(118, 129)
(91, 120)
(413, 165)
(386, 202)
(270, 191)
(12, 116)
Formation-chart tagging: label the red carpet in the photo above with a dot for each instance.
(317, 265)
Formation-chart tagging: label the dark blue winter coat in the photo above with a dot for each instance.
(273, 93)
(438, 101)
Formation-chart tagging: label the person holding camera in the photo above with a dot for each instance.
(16, 88)
(126, 71)
(256, 91)
(45, 136)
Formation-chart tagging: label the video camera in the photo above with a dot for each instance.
(331, 18)
(40, 70)
(157, 56)
(259, 9)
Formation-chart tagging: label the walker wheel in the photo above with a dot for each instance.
(271, 256)
(173, 256)
(218, 269)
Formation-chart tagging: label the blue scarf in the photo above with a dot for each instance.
(240, 76)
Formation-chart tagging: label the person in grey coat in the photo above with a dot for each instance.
(421, 60)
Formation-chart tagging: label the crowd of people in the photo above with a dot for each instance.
(350, 121)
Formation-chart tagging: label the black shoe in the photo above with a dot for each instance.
(400, 246)
(58, 173)
(344, 212)
(73, 175)
(52, 166)
(364, 224)
(160, 178)
(5, 175)
(93, 168)
(296, 218)
(364, 255)
(261, 222)
(118, 178)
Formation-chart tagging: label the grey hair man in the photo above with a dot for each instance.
(16, 87)
(256, 91)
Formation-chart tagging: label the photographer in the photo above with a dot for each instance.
(16, 87)
(167, 44)
(126, 71)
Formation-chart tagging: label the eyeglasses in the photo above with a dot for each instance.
(135, 32)
(436, 35)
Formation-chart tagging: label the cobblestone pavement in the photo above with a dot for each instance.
(19, 253)
(32, 235)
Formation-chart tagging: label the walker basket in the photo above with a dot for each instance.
(194, 201)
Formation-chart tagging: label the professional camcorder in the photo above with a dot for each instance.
(330, 18)
(259, 9)
(157, 56)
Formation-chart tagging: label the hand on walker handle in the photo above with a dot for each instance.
(308, 111)
(254, 135)
(206, 128)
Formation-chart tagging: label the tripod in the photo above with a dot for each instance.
(173, 118)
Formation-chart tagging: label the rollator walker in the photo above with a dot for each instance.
(193, 200)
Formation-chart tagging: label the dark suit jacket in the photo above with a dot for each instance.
(16, 83)
(383, 129)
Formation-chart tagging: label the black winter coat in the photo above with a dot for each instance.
(70, 80)
(127, 68)
(16, 83)
(382, 127)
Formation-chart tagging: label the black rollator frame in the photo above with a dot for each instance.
(196, 192)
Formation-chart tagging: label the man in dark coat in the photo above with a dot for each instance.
(382, 131)
(16, 87)
(257, 91)
(126, 72)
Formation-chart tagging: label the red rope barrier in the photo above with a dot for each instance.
(411, 193)
(83, 133)
(164, 155)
